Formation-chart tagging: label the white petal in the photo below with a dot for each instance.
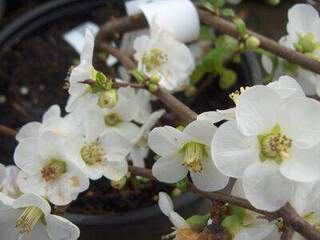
(177, 220)
(25, 156)
(115, 170)
(116, 146)
(256, 110)
(169, 169)
(60, 228)
(31, 183)
(267, 64)
(210, 178)
(201, 131)
(2, 173)
(139, 45)
(138, 155)
(232, 151)
(258, 232)
(127, 106)
(302, 19)
(301, 198)
(53, 112)
(217, 116)
(265, 187)
(94, 124)
(165, 140)
(165, 203)
(29, 130)
(287, 87)
(29, 199)
(129, 129)
(51, 146)
(237, 189)
(303, 165)
(87, 51)
(299, 119)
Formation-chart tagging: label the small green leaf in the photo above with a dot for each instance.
(183, 184)
(208, 5)
(227, 79)
(198, 222)
(138, 75)
(240, 25)
(218, 3)
(227, 12)
(232, 223)
(198, 74)
(206, 34)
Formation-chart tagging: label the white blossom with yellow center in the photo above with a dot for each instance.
(186, 151)
(29, 217)
(161, 54)
(48, 170)
(271, 144)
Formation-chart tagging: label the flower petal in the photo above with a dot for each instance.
(177, 220)
(53, 112)
(210, 178)
(257, 232)
(201, 131)
(165, 203)
(165, 140)
(256, 110)
(232, 151)
(265, 187)
(287, 87)
(299, 119)
(29, 199)
(169, 169)
(60, 228)
(31, 129)
(115, 170)
(303, 165)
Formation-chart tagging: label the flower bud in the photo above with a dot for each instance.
(252, 42)
(108, 99)
(153, 87)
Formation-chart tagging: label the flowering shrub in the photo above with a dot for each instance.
(269, 142)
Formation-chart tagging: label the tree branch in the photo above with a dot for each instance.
(9, 132)
(287, 234)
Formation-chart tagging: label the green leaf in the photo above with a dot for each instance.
(218, 3)
(208, 5)
(213, 61)
(183, 184)
(227, 12)
(198, 222)
(138, 75)
(198, 74)
(232, 223)
(227, 79)
(207, 34)
(239, 211)
(240, 25)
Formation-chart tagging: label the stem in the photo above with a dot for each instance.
(9, 132)
(183, 111)
(287, 234)
(287, 212)
(229, 28)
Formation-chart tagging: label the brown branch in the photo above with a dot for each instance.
(272, 46)
(184, 112)
(287, 212)
(287, 234)
(9, 132)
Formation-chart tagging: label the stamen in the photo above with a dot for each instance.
(92, 153)
(194, 154)
(154, 59)
(275, 145)
(28, 219)
(54, 169)
(112, 119)
(235, 95)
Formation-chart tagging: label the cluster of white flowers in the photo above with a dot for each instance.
(303, 36)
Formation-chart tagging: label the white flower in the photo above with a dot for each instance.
(119, 117)
(271, 144)
(303, 36)
(29, 217)
(80, 93)
(164, 56)
(139, 150)
(251, 225)
(143, 98)
(47, 170)
(8, 181)
(51, 121)
(99, 154)
(181, 227)
(184, 151)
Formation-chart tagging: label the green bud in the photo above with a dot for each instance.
(190, 91)
(120, 183)
(198, 222)
(232, 223)
(108, 99)
(153, 87)
(252, 42)
(176, 192)
(155, 79)
(240, 25)
(272, 2)
(138, 75)
(183, 184)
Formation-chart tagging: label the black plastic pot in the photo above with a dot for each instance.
(147, 223)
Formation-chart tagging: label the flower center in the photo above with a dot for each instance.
(154, 59)
(92, 153)
(236, 95)
(194, 153)
(108, 99)
(307, 44)
(112, 119)
(28, 219)
(274, 145)
(54, 169)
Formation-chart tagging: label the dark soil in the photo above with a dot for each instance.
(32, 76)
